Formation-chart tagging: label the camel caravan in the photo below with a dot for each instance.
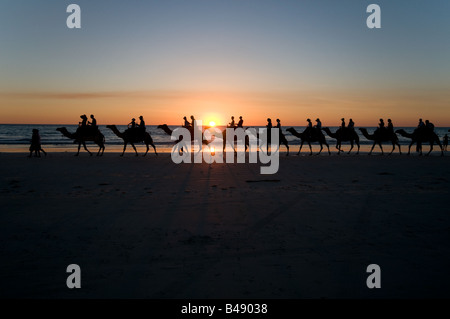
(88, 131)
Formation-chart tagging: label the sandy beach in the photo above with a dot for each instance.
(148, 228)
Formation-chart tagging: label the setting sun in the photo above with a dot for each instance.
(212, 123)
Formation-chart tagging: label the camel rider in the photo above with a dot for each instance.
(390, 126)
(342, 122)
(193, 121)
(381, 124)
(232, 122)
(351, 124)
(429, 126)
(241, 122)
(319, 124)
(141, 123)
(132, 124)
(93, 123)
(421, 124)
(278, 126)
(84, 120)
(186, 122)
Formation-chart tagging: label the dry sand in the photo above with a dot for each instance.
(148, 228)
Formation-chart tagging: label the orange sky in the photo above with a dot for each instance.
(293, 108)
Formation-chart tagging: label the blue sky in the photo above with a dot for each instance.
(304, 48)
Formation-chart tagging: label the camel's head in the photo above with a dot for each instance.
(291, 129)
(60, 129)
(162, 126)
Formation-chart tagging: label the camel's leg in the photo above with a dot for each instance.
(431, 148)
(351, 147)
(148, 147)
(373, 146)
(393, 148)
(409, 148)
(301, 145)
(79, 147)
(321, 148)
(85, 147)
(310, 149)
(328, 147)
(154, 148)
(399, 148)
(381, 147)
(124, 148)
(135, 150)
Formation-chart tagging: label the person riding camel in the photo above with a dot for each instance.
(132, 124)
(429, 126)
(141, 123)
(241, 122)
(319, 124)
(84, 119)
(231, 124)
(390, 126)
(351, 124)
(93, 123)
(421, 124)
(186, 123)
(342, 122)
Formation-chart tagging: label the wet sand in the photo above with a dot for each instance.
(148, 228)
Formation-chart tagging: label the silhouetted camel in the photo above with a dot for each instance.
(281, 137)
(420, 136)
(305, 136)
(168, 131)
(344, 135)
(380, 136)
(83, 135)
(132, 136)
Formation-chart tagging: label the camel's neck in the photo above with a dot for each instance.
(297, 134)
(328, 131)
(405, 134)
(367, 135)
(116, 131)
(166, 129)
(66, 133)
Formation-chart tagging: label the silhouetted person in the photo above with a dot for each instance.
(342, 122)
(231, 124)
(132, 124)
(83, 122)
(421, 124)
(269, 131)
(310, 126)
(319, 124)
(445, 142)
(141, 123)
(278, 126)
(186, 122)
(390, 126)
(351, 124)
(36, 144)
(241, 122)
(429, 126)
(193, 121)
(93, 122)
(381, 124)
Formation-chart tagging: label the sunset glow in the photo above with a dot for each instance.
(216, 59)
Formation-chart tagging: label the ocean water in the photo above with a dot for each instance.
(16, 138)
